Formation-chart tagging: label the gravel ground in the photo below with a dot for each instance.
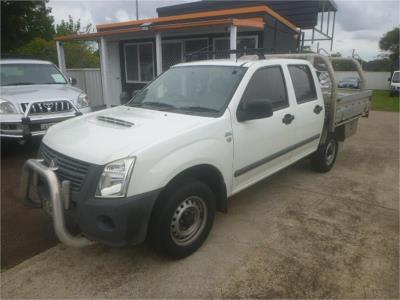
(25, 232)
(297, 234)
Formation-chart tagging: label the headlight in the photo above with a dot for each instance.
(115, 178)
(83, 100)
(6, 107)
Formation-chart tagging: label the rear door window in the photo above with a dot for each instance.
(303, 83)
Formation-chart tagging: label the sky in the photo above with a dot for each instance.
(359, 24)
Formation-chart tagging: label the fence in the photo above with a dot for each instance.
(89, 81)
(375, 80)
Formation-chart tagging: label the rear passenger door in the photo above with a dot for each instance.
(262, 146)
(309, 109)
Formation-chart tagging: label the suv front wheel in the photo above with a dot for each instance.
(182, 219)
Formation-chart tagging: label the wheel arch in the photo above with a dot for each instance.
(206, 173)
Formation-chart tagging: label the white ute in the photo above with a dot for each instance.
(158, 167)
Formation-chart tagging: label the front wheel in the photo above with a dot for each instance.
(325, 157)
(182, 219)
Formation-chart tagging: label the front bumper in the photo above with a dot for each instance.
(19, 126)
(111, 221)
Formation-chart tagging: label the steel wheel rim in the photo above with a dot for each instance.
(188, 220)
(330, 152)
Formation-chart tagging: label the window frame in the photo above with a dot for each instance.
(284, 84)
(238, 38)
(138, 61)
(313, 83)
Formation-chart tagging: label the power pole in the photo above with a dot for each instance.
(137, 9)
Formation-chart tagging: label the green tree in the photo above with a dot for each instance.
(39, 48)
(390, 42)
(78, 54)
(23, 21)
(71, 27)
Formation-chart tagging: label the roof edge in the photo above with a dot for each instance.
(215, 13)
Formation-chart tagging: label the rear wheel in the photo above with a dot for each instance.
(182, 219)
(325, 157)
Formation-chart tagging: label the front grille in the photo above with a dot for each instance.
(47, 107)
(68, 168)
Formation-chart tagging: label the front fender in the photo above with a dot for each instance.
(152, 174)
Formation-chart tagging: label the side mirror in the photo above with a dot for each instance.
(73, 81)
(389, 79)
(255, 109)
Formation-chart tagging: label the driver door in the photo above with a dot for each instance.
(262, 146)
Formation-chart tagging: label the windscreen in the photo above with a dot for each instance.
(191, 89)
(29, 74)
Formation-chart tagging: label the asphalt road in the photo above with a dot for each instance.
(297, 234)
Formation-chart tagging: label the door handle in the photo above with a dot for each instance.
(317, 109)
(287, 119)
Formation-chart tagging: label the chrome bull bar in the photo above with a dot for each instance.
(59, 197)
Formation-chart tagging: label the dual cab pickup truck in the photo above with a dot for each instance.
(160, 166)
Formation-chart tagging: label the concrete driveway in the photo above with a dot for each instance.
(298, 234)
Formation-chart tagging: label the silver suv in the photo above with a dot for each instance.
(34, 95)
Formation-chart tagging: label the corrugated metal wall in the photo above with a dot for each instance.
(89, 80)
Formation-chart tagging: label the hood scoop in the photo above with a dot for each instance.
(114, 121)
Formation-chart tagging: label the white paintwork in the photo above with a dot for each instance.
(104, 71)
(165, 143)
(61, 56)
(233, 40)
(306, 123)
(158, 53)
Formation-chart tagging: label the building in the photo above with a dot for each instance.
(132, 53)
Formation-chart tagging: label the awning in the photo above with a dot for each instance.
(245, 17)
(256, 23)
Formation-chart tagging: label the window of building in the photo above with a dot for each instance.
(267, 83)
(195, 47)
(139, 62)
(243, 42)
(172, 53)
(303, 83)
(175, 51)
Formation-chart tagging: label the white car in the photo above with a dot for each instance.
(34, 95)
(159, 166)
(395, 83)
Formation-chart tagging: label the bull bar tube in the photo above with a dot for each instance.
(59, 197)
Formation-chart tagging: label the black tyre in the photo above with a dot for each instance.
(182, 218)
(325, 157)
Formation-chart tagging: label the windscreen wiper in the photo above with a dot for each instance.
(157, 104)
(198, 108)
(20, 83)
